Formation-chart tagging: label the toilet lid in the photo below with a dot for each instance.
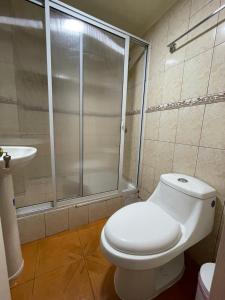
(142, 229)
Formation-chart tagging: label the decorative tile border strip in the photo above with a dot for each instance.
(6, 100)
(27, 107)
(210, 99)
(37, 108)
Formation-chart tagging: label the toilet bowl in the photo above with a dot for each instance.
(146, 240)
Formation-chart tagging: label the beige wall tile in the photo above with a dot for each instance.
(35, 191)
(211, 168)
(155, 89)
(172, 83)
(213, 130)
(7, 81)
(113, 205)
(159, 33)
(216, 82)
(152, 125)
(34, 122)
(158, 59)
(196, 75)
(168, 125)
(78, 216)
(150, 152)
(6, 45)
(143, 194)
(185, 158)
(147, 179)
(173, 59)
(9, 122)
(189, 125)
(198, 4)
(56, 221)
(97, 211)
(203, 37)
(164, 160)
(159, 40)
(130, 198)
(31, 228)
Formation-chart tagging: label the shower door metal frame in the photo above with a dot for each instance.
(61, 7)
(142, 113)
(46, 4)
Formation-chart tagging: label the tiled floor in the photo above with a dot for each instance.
(70, 266)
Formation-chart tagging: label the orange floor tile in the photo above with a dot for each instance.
(70, 266)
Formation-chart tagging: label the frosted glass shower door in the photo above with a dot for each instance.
(65, 56)
(103, 67)
(87, 67)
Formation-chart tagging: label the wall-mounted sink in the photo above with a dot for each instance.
(17, 157)
(20, 156)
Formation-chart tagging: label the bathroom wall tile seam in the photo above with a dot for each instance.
(191, 145)
(175, 139)
(184, 144)
(196, 162)
(214, 45)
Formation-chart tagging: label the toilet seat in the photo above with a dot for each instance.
(142, 229)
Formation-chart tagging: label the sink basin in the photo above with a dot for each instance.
(19, 155)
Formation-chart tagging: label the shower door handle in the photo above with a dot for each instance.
(123, 127)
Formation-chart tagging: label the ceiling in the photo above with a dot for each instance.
(134, 16)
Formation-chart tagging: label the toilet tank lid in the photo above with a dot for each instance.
(188, 185)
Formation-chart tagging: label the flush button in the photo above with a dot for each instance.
(182, 180)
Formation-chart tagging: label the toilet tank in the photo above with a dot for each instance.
(181, 196)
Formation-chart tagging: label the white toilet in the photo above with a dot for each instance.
(146, 240)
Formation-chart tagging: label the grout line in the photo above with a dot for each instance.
(160, 116)
(182, 80)
(177, 119)
(185, 49)
(213, 50)
(200, 136)
(200, 146)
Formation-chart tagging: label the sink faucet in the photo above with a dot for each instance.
(6, 157)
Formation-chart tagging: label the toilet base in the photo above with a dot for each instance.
(147, 284)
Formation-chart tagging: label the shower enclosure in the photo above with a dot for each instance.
(91, 91)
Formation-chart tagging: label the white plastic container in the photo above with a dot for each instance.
(204, 281)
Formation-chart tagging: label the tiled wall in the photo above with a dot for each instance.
(40, 225)
(191, 139)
